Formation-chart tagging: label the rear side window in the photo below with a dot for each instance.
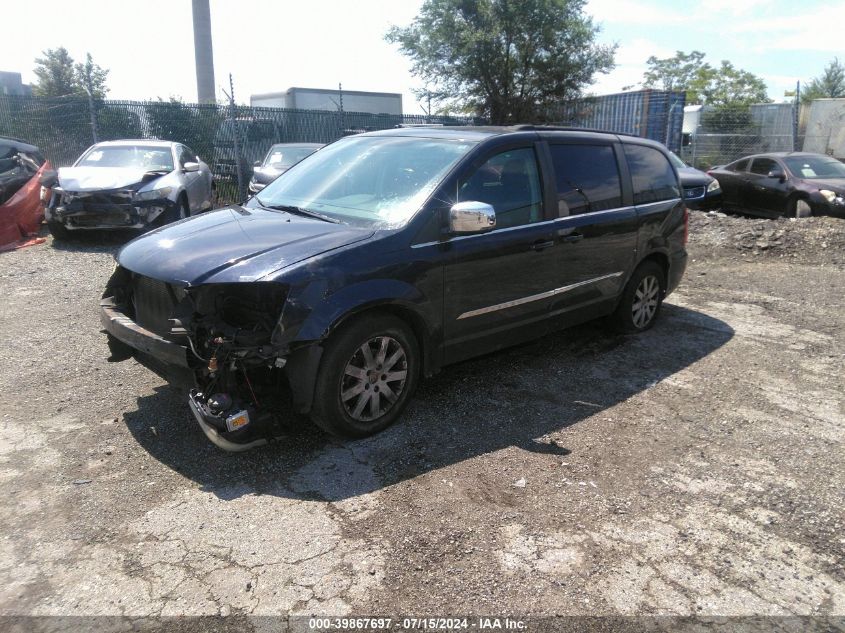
(653, 177)
(510, 182)
(763, 166)
(587, 178)
(739, 165)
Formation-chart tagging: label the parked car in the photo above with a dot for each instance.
(130, 184)
(280, 158)
(796, 184)
(388, 255)
(21, 207)
(701, 191)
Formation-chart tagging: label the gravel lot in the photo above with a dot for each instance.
(696, 469)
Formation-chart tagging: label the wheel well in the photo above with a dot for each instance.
(661, 260)
(415, 321)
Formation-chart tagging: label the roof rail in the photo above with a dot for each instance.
(564, 128)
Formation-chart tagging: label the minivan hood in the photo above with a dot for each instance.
(103, 178)
(233, 244)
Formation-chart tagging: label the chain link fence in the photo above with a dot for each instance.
(717, 136)
(63, 128)
(233, 138)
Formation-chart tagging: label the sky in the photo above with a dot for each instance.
(271, 45)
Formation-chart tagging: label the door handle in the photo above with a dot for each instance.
(539, 245)
(573, 237)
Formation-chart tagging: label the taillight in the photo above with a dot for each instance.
(686, 225)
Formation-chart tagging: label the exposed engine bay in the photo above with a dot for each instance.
(230, 336)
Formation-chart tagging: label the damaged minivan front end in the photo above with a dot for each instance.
(217, 304)
(224, 341)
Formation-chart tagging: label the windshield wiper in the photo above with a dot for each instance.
(289, 208)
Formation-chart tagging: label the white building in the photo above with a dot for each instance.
(324, 99)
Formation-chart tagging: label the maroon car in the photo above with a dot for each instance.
(795, 184)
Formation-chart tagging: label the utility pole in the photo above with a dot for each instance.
(203, 51)
(795, 111)
(235, 136)
(340, 107)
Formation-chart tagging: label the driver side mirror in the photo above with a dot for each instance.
(191, 167)
(777, 172)
(471, 217)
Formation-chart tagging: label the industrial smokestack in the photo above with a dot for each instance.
(203, 52)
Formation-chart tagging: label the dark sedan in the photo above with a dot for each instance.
(795, 184)
(280, 158)
(701, 191)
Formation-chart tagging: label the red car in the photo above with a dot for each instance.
(21, 206)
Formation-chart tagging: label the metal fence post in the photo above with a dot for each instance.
(93, 114)
(235, 134)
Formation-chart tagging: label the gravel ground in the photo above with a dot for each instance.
(696, 469)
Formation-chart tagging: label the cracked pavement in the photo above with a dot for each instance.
(695, 469)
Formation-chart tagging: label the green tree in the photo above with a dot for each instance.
(92, 78)
(195, 126)
(725, 86)
(56, 76)
(59, 76)
(830, 84)
(508, 61)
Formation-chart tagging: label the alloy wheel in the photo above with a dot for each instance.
(646, 299)
(374, 378)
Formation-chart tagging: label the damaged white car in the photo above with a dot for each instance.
(129, 184)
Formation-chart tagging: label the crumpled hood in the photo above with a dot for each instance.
(233, 244)
(103, 178)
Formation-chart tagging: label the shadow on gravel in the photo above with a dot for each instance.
(93, 241)
(512, 398)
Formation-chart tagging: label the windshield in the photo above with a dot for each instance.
(372, 181)
(146, 157)
(281, 157)
(815, 167)
(677, 162)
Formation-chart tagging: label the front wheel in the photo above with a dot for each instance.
(367, 375)
(641, 300)
(800, 208)
(58, 231)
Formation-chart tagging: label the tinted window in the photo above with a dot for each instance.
(509, 182)
(763, 166)
(653, 178)
(740, 165)
(587, 178)
(185, 156)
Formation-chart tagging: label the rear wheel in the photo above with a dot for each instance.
(367, 375)
(641, 300)
(800, 208)
(58, 231)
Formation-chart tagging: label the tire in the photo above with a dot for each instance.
(179, 212)
(58, 231)
(648, 283)
(799, 208)
(346, 372)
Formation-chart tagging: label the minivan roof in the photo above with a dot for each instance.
(481, 132)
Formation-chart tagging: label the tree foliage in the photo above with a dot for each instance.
(830, 84)
(192, 125)
(724, 86)
(59, 76)
(505, 60)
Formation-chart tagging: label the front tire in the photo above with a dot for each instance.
(58, 231)
(368, 373)
(641, 300)
(800, 208)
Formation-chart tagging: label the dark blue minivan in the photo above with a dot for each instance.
(388, 255)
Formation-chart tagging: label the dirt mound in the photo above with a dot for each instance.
(816, 239)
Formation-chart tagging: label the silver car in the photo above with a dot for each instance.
(129, 184)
